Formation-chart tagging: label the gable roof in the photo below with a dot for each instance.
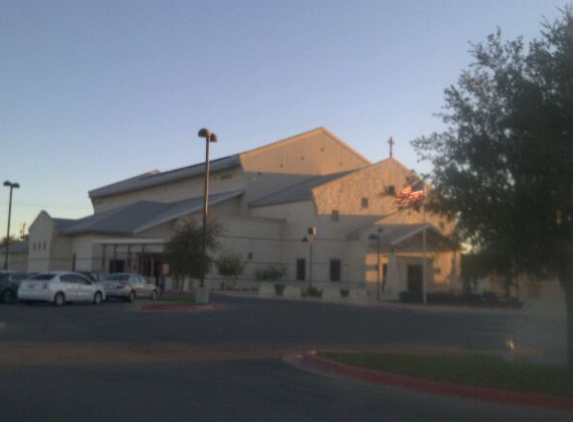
(299, 192)
(143, 215)
(156, 177)
(394, 234)
(187, 206)
(301, 136)
(386, 162)
(62, 223)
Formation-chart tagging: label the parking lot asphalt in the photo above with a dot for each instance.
(247, 321)
(238, 390)
(254, 324)
(224, 364)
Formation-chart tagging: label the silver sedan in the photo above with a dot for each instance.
(60, 287)
(128, 286)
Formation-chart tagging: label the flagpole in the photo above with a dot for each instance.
(424, 249)
(406, 198)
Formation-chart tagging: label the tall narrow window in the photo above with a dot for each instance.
(364, 202)
(335, 215)
(335, 270)
(301, 269)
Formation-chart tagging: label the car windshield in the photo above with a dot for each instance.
(118, 277)
(43, 277)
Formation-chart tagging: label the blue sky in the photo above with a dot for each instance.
(92, 92)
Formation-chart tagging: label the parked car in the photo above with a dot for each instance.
(59, 287)
(9, 283)
(128, 286)
(97, 276)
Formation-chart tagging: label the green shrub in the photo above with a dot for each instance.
(270, 273)
(231, 267)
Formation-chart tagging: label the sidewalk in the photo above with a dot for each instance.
(544, 314)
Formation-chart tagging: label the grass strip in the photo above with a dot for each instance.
(476, 371)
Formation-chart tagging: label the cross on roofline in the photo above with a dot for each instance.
(391, 143)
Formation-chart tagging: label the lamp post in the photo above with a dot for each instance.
(424, 250)
(309, 238)
(378, 270)
(11, 186)
(209, 137)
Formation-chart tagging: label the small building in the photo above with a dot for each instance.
(266, 200)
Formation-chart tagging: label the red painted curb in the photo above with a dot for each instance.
(439, 387)
(166, 307)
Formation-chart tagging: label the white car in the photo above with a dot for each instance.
(59, 287)
(128, 286)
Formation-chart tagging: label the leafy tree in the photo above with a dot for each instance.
(12, 240)
(488, 262)
(183, 252)
(504, 164)
(230, 265)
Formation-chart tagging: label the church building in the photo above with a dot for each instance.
(308, 204)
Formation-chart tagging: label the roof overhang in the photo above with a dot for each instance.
(404, 236)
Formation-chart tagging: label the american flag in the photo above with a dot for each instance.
(411, 195)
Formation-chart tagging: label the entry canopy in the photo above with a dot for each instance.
(409, 238)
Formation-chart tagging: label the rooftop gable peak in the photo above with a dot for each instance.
(301, 137)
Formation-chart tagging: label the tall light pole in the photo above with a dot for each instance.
(309, 238)
(11, 186)
(209, 137)
(424, 250)
(378, 268)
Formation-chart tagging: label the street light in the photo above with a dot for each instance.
(309, 238)
(209, 137)
(11, 186)
(378, 270)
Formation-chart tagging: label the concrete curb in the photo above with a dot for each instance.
(167, 307)
(315, 363)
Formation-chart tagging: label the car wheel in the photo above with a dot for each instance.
(59, 299)
(131, 297)
(8, 296)
(154, 295)
(97, 298)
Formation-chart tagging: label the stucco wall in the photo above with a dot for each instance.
(257, 241)
(61, 256)
(313, 153)
(88, 255)
(345, 195)
(354, 268)
(298, 217)
(41, 231)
